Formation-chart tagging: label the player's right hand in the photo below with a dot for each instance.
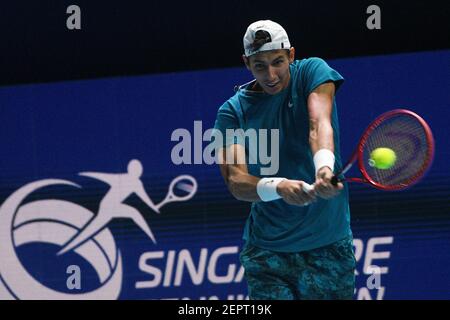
(292, 192)
(323, 186)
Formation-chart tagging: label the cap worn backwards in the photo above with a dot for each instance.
(276, 37)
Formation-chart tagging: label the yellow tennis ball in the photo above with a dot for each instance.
(382, 158)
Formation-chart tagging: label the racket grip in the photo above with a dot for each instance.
(307, 187)
(335, 180)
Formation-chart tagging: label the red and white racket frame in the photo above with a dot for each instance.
(358, 153)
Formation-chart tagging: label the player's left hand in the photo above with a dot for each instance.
(323, 186)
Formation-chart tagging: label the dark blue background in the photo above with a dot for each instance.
(57, 130)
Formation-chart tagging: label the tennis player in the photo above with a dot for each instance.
(298, 244)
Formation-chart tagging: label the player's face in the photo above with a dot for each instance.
(271, 69)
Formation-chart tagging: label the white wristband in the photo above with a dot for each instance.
(323, 158)
(267, 188)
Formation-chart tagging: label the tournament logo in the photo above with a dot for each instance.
(74, 230)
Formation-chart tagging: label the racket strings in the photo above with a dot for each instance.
(406, 136)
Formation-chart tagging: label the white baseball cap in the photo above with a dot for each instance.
(278, 37)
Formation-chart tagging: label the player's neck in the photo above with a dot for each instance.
(256, 87)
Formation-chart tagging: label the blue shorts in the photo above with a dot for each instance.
(323, 273)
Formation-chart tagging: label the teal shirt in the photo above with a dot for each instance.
(277, 225)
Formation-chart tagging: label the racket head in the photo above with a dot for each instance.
(410, 137)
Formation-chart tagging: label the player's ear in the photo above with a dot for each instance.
(246, 61)
(291, 54)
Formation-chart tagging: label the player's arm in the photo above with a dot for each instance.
(241, 184)
(246, 187)
(320, 105)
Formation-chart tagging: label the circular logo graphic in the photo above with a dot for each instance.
(52, 222)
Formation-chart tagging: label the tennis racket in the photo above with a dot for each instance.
(408, 135)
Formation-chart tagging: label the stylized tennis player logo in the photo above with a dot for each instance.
(74, 228)
(112, 206)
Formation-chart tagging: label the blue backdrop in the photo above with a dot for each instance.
(57, 130)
